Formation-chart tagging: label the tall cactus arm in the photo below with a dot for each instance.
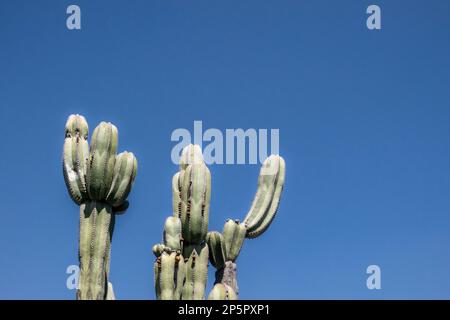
(234, 235)
(267, 198)
(100, 168)
(75, 155)
(217, 250)
(125, 170)
(222, 291)
(195, 202)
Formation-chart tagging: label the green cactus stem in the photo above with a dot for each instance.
(225, 249)
(195, 195)
(217, 249)
(94, 246)
(196, 275)
(169, 275)
(172, 234)
(99, 181)
(267, 198)
(222, 291)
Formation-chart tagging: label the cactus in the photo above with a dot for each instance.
(222, 291)
(185, 233)
(186, 237)
(99, 181)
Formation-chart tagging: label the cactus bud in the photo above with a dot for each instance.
(110, 292)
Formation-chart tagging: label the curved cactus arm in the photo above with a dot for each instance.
(172, 233)
(75, 156)
(268, 218)
(234, 236)
(267, 198)
(125, 170)
(222, 291)
(217, 250)
(100, 168)
(110, 292)
(196, 275)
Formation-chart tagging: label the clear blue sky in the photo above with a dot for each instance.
(364, 119)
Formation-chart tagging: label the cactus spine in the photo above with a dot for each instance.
(186, 238)
(99, 181)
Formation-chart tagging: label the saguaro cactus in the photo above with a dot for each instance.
(99, 181)
(181, 264)
(184, 275)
